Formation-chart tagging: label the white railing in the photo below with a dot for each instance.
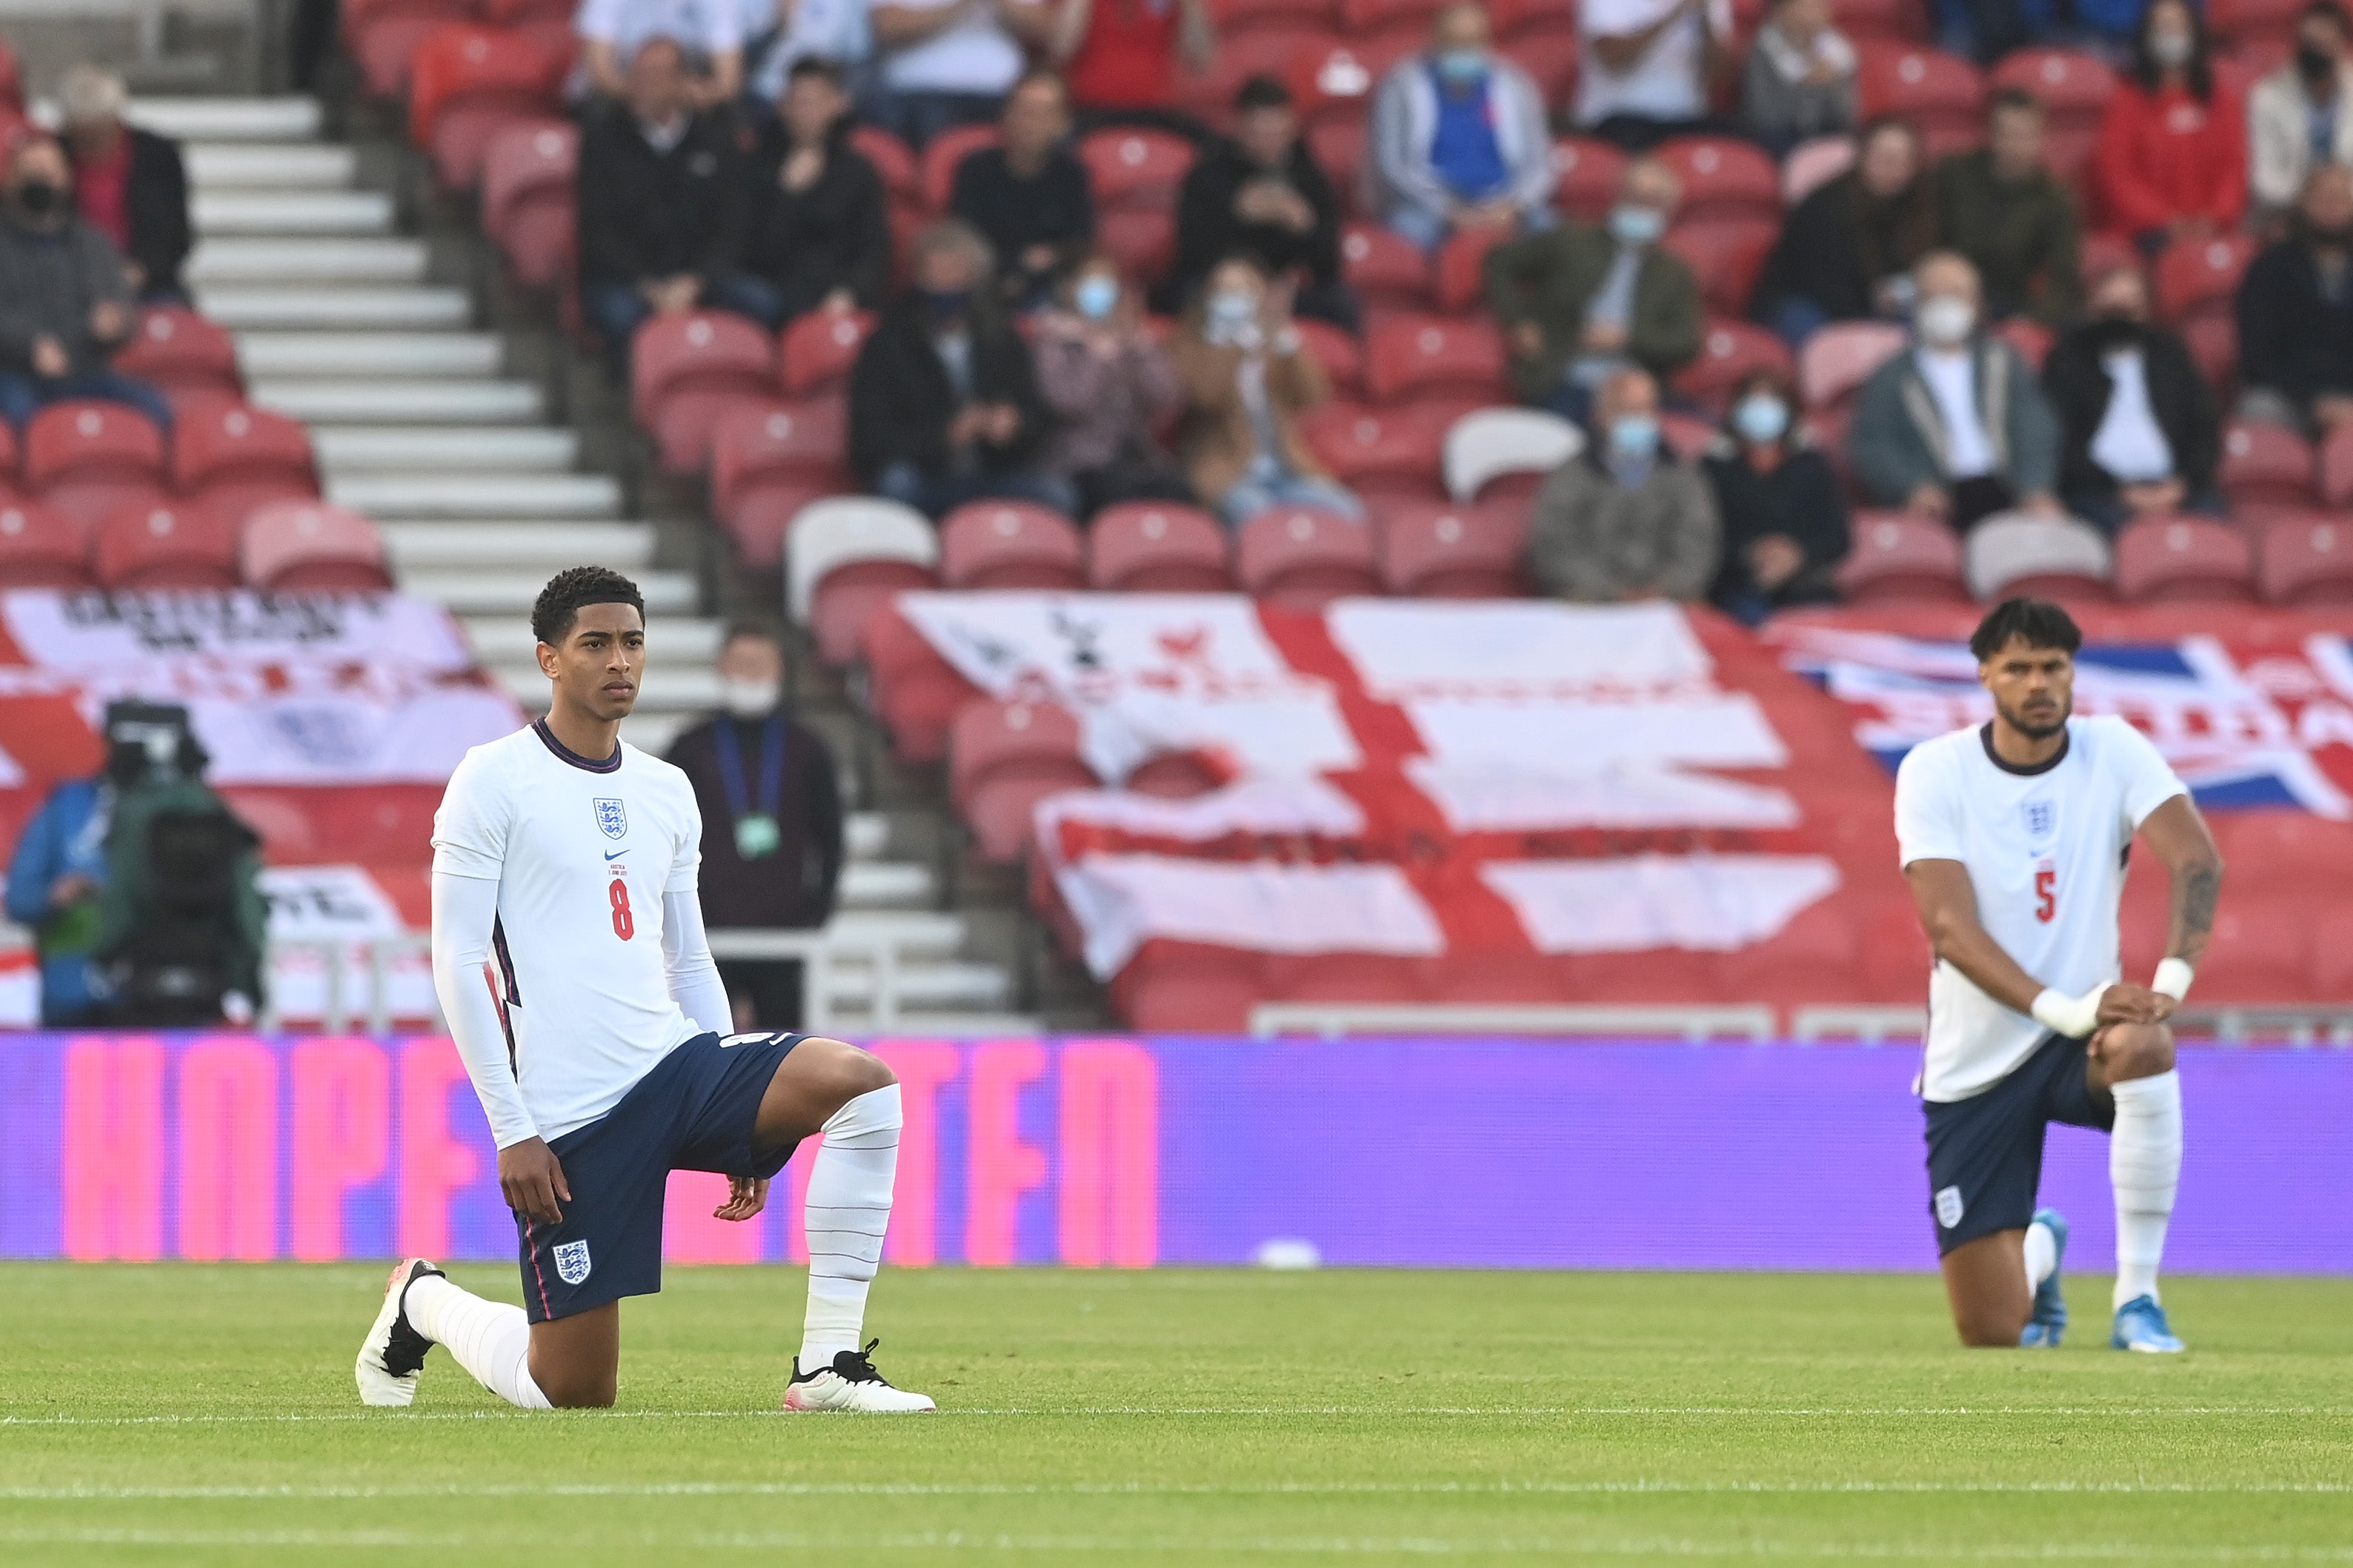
(1330, 1020)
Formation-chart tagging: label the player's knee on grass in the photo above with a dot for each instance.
(2135, 1050)
(574, 1387)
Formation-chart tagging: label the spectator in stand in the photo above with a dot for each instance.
(1114, 388)
(1246, 378)
(815, 220)
(1785, 524)
(2172, 156)
(1954, 427)
(131, 184)
(55, 879)
(944, 402)
(772, 823)
(708, 35)
(780, 34)
(1458, 138)
(2295, 315)
(1847, 250)
(1029, 195)
(1120, 58)
(1648, 68)
(946, 63)
(2140, 434)
(1261, 194)
(1801, 79)
(1624, 519)
(2012, 217)
(655, 197)
(2298, 116)
(1577, 304)
(65, 298)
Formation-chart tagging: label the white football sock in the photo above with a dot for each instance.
(490, 1339)
(2144, 1166)
(849, 1210)
(2041, 1256)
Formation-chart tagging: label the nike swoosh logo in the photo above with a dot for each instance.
(617, 853)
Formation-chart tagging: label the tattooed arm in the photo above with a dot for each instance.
(2177, 836)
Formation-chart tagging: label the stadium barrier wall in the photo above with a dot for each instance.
(1129, 1152)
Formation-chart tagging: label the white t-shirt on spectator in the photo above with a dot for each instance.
(1952, 378)
(2130, 444)
(703, 26)
(972, 53)
(833, 30)
(1666, 80)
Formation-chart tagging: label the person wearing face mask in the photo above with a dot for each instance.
(814, 230)
(1954, 428)
(1623, 520)
(1458, 138)
(944, 402)
(2171, 161)
(1577, 304)
(65, 296)
(1247, 377)
(1113, 387)
(2142, 437)
(2295, 315)
(1801, 79)
(2012, 217)
(2300, 115)
(772, 822)
(1847, 250)
(1785, 523)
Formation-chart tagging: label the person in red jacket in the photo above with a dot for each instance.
(2172, 158)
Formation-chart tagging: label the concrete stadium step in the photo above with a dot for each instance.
(507, 639)
(274, 211)
(413, 402)
(238, 166)
(911, 932)
(288, 118)
(865, 836)
(422, 546)
(560, 496)
(689, 690)
(434, 449)
(964, 987)
(305, 260)
(511, 593)
(924, 1022)
(881, 884)
(266, 354)
(244, 310)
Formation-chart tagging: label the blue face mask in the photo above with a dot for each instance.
(1635, 435)
(1632, 224)
(1095, 295)
(1461, 67)
(1761, 419)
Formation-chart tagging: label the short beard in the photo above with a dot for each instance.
(2034, 732)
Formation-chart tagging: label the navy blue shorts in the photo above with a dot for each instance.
(694, 1111)
(1985, 1153)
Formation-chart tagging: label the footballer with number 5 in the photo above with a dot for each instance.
(569, 955)
(2015, 835)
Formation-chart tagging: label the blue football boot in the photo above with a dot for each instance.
(2048, 1326)
(2141, 1326)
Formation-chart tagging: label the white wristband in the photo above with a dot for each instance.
(2173, 977)
(2074, 1017)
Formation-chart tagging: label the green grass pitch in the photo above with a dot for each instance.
(187, 1415)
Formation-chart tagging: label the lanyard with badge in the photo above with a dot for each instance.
(756, 834)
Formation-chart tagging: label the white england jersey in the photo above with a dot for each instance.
(582, 853)
(2045, 848)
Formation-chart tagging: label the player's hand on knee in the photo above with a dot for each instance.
(2125, 1003)
(746, 1197)
(532, 1179)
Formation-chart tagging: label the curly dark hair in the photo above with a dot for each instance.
(2042, 623)
(574, 588)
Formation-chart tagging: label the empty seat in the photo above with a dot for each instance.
(1898, 558)
(1943, 94)
(846, 556)
(686, 371)
(1009, 544)
(1493, 445)
(1459, 277)
(2015, 553)
(165, 546)
(183, 355)
(1135, 168)
(1158, 547)
(761, 448)
(1722, 178)
(1004, 757)
(1337, 81)
(1337, 352)
(1392, 450)
(527, 197)
(1726, 254)
(384, 36)
(2307, 561)
(1418, 357)
(1587, 173)
(2336, 468)
(40, 548)
(2265, 465)
(892, 160)
(818, 349)
(1304, 559)
(2200, 276)
(1730, 351)
(2176, 559)
(2238, 22)
(1388, 270)
(1812, 165)
(236, 458)
(468, 83)
(86, 459)
(1433, 551)
(1837, 360)
(300, 546)
(937, 165)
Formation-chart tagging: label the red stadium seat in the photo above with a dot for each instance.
(1943, 94)
(2183, 560)
(2307, 561)
(1881, 21)
(1686, 435)
(1515, 20)
(1897, 558)
(2199, 278)
(2266, 465)
(1430, 550)
(891, 161)
(2031, 338)
(1142, 240)
(1337, 352)
(1388, 270)
(1130, 168)
(466, 84)
(527, 197)
(2336, 469)
(1722, 178)
(1587, 173)
(1496, 454)
(687, 371)
(1551, 60)
(1726, 254)
(86, 459)
(1459, 274)
(1837, 360)
(1244, 15)
(235, 457)
(40, 548)
(383, 36)
(165, 546)
(2237, 22)
(1412, 358)
(1360, 18)
(1303, 559)
(916, 693)
(2213, 341)
(2073, 87)
(758, 445)
(183, 355)
(939, 160)
(1264, 44)
(303, 546)
(1392, 451)
(1158, 547)
(1337, 82)
(1009, 544)
(848, 556)
(1182, 987)
(818, 348)
(1003, 759)
(1730, 351)
(1338, 147)
(12, 80)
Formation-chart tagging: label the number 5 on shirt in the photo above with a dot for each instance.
(2046, 895)
(625, 924)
